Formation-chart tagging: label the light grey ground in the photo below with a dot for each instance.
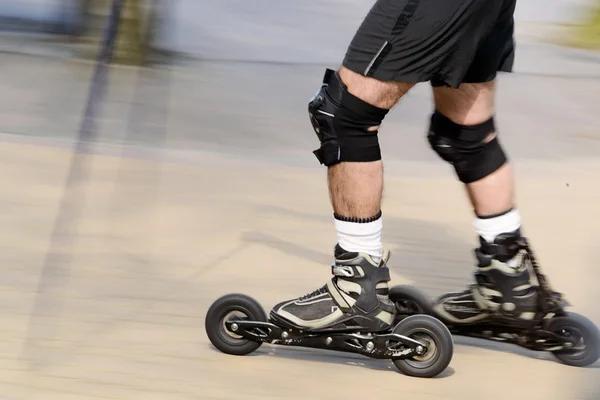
(219, 193)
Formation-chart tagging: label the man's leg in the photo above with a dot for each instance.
(352, 106)
(471, 105)
(355, 188)
(408, 41)
(464, 121)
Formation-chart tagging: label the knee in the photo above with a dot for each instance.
(345, 124)
(473, 150)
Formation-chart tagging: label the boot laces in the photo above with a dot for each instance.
(314, 293)
(551, 298)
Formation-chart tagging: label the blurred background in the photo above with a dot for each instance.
(191, 176)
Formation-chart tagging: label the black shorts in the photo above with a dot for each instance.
(447, 42)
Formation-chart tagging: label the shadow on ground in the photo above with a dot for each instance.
(430, 255)
(331, 357)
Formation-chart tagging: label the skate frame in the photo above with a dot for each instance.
(536, 339)
(378, 346)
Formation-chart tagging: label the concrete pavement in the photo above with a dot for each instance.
(156, 243)
(202, 183)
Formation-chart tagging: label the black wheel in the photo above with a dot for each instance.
(229, 308)
(410, 300)
(583, 332)
(440, 347)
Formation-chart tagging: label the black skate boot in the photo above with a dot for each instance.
(503, 292)
(354, 300)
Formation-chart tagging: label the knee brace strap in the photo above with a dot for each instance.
(466, 148)
(342, 121)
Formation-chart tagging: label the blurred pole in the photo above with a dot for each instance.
(98, 83)
(146, 123)
(56, 269)
(129, 46)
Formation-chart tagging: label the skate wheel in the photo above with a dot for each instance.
(229, 308)
(585, 334)
(440, 347)
(410, 300)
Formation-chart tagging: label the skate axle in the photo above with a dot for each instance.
(378, 346)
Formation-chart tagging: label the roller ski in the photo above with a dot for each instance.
(352, 313)
(506, 304)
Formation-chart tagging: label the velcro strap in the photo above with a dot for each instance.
(501, 252)
(328, 154)
(383, 274)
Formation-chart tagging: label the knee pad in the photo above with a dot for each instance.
(466, 148)
(341, 122)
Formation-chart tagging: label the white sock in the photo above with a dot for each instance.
(361, 237)
(490, 228)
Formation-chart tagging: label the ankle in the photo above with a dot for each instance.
(360, 235)
(491, 227)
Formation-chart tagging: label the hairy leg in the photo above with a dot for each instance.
(347, 107)
(473, 104)
(503, 280)
(356, 188)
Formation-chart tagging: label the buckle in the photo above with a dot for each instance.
(346, 271)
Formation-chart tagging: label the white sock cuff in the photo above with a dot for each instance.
(360, 237)
(489, 228)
